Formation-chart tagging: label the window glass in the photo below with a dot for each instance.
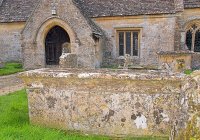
(121, 43)
(189, 40)
(197, 42)
(128, 43)
(135, 43)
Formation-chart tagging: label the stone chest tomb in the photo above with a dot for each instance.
(112, 102)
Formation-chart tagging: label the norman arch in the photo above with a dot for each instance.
(49, 39)
(54, 42)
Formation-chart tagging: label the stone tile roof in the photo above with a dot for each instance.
(20, 10)
(99, 8)
(192, 3)
(16, 10)
(95, 28)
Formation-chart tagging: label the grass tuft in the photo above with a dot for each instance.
(11, 68)
(188, 72)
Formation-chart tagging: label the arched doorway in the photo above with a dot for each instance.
(53, 44)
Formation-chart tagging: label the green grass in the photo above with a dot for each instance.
(188, 72)
(11, 68)
(14, 123)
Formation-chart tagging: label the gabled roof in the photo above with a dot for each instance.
(16, 10)
(192, 3)
(102, 8)
(20, 10)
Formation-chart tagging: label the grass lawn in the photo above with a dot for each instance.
(11, 68)
(14, 123)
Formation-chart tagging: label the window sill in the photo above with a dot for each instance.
(131, 57)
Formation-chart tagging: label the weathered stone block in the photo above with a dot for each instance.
(68, 60)
(175, 61)
(114, 103)
(195, 60)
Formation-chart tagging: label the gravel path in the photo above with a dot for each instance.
(9, 84)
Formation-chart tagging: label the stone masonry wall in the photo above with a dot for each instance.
(71, 20)
(111, 103)
(10, 41)
(195, 60)
(190, 15)
(156, 34)
(188, 18)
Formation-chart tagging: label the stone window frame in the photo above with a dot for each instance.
(117, 30)
(193, 28)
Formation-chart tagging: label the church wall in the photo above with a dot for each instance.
(10, 41)
(156, 34)
(191, 16)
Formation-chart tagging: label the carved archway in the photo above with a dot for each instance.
(54, 41)
(43, 30)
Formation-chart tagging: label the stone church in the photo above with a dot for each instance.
(100, 32)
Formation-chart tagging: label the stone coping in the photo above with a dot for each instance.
(102, 74)
(175, 53)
